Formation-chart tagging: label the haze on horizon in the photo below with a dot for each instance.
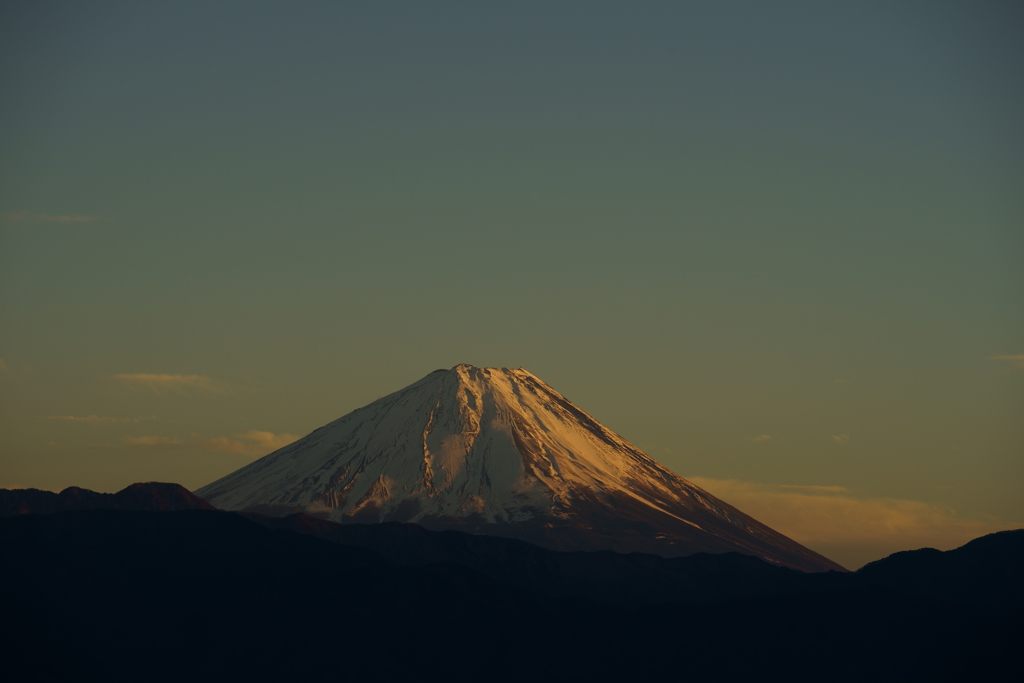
(776, 247)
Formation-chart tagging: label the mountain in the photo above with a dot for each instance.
(498, 452)
(207, 595)
(633, 579)
(142, 496)
(984, 572)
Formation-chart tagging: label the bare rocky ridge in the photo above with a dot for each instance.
(499, 452)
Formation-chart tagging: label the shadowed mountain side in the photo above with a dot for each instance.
(983, 572)
(109, 595)
(858, 634)
(625, 525)
(620, 524)
(142, 496)
(986, 572)
(604, 575)
(208, 595)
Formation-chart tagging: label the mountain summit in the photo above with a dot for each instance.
(498, 451)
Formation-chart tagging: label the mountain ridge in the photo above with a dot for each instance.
(208, 595)
(498, 451)
(152, 495)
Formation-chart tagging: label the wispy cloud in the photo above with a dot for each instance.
(3, 365)
(26, 217)
(849, 529)
(763, 437)
(813, 489)
(841, 438)
(96, 419)
(252, 443)
(1017, 362)
(151, 441)
(180, 383)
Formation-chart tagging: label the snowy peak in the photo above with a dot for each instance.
(493, 450)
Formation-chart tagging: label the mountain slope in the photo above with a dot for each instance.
(498, 451)
(204, 595)
(984, 572)
(633, 579)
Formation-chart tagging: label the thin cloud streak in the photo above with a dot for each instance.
(95, 419)
(852, 531)
(180, 383)
(1016, 362)
(253, 443)
(26, 217)
(151, 441)
(814, 489)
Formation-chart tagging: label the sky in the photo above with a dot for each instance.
(778, 246)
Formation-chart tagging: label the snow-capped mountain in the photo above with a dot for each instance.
(498, 451)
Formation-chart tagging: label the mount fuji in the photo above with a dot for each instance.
(498, 451)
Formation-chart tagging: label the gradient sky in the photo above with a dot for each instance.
(778, 246)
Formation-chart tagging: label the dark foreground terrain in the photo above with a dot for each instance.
(203, 595)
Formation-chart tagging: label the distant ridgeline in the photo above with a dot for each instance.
(148, 496)
(153, 582)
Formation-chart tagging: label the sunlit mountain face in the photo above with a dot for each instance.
(500, 452)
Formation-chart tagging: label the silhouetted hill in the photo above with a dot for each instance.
(634, 578)
(208, 595)
(203, 595)
(142, 496)
(983, 572)
(986, 572)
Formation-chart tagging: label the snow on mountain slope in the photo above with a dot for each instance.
(497, 451)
